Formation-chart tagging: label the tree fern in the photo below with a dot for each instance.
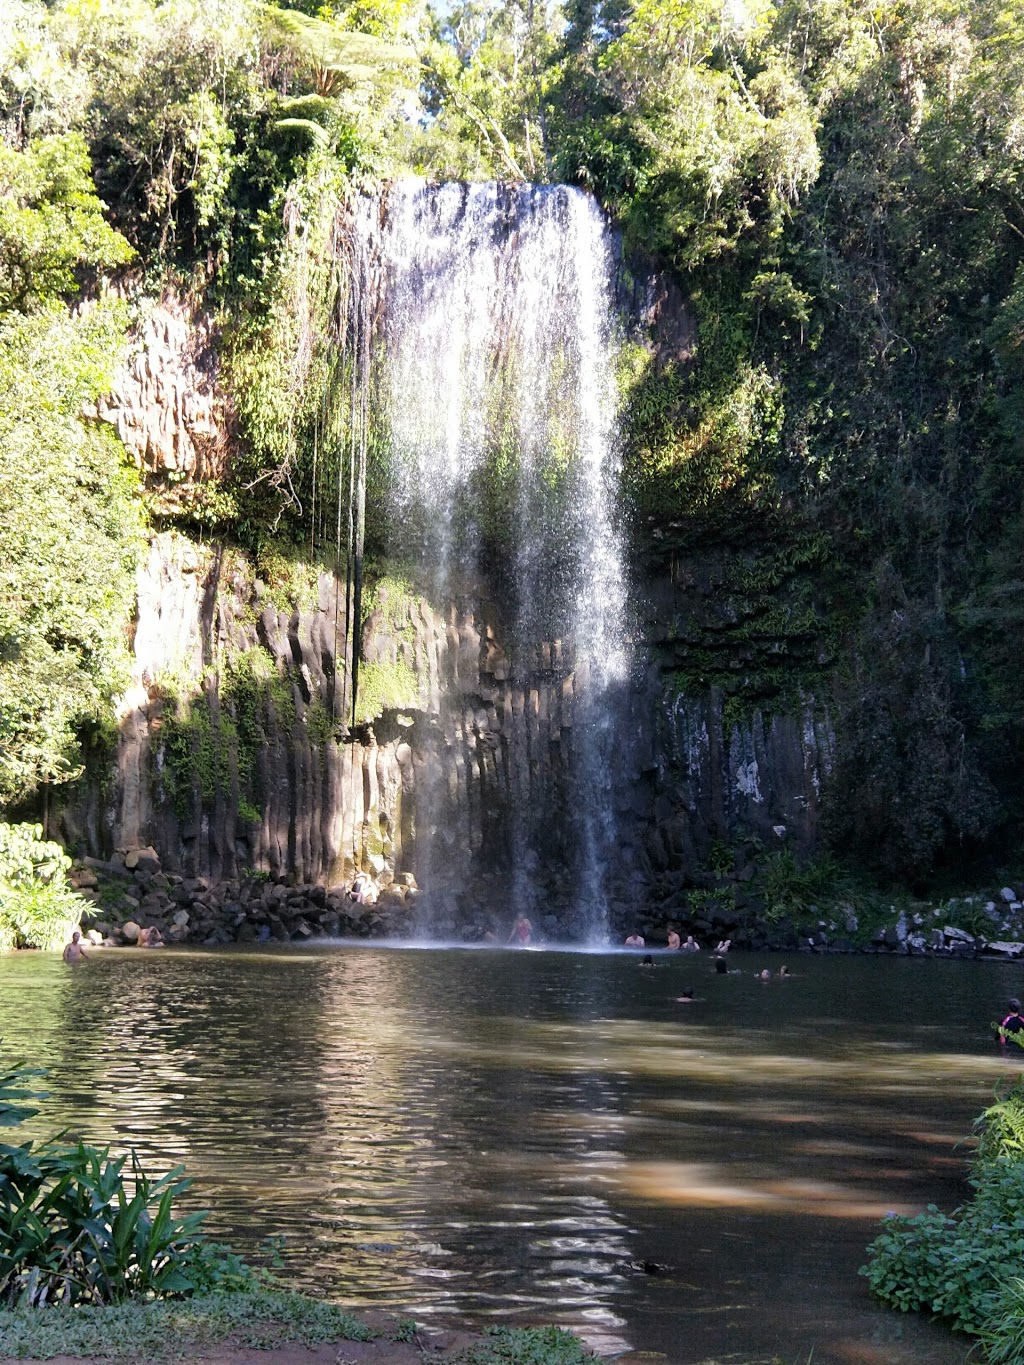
(336, 60)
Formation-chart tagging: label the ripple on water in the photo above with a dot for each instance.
(496, 1134)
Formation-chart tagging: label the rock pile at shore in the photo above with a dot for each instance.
(131, 892)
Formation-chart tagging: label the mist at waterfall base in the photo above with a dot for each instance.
(494, 382)
(541, 1137)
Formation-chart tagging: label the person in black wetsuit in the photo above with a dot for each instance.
(1010, 1031)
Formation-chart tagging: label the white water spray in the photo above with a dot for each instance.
(498, 378)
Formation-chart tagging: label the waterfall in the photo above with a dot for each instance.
(494, 381)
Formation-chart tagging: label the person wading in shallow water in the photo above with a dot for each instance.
(522, 930)
(1012, 1027)
(75, 950)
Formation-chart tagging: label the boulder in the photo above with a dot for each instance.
(130, 931)
(1005, 948)
(142, 859)
(958, 935)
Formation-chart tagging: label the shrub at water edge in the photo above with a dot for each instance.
(961, 1265)
(38, 909)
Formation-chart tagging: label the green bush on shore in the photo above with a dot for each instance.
(38, 909)
(960, 1266)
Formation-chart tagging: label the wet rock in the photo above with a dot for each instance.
(130, 931)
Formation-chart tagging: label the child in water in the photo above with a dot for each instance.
(1012, 1027)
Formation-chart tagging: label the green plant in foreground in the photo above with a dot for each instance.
(76, 1227)
(1001, 1125)
(38, 909)
(957, 1265)
(1002, 1332)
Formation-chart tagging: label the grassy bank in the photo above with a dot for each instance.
(264, 1318)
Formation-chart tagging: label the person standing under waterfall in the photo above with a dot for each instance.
(521, 930)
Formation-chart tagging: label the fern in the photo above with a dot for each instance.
(1001, 1126)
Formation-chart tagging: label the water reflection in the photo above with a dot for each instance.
(476, 1134)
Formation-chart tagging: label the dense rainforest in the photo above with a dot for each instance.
(834, 187)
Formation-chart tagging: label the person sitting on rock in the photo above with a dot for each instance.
(364, 889)
(673, 939)
(150, 938)
(635, 940)
(75, 950)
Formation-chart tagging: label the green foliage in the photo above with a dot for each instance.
(51, 222)
(70, 537)
(952, 1265)
(335, 59)
(76, 1228)
(248, 813)
(1000, 1127)
(1002, 1329)
(524, 1346)
(787, 888)
(485, 69)
(38, 909)
(210, 742)
(960, 1266)
(292, 583)
(385, 686)
(907, 783)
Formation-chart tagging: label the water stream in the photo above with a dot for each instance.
(480, 1134)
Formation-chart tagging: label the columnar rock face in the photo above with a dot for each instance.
(238, 751)
(167, 406)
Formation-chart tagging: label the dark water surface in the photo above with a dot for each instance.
(476, 1134)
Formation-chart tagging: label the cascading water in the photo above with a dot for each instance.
(494, 374)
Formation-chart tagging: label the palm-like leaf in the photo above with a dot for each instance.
(336, 60)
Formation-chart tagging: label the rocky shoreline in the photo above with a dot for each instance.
(132, 892)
